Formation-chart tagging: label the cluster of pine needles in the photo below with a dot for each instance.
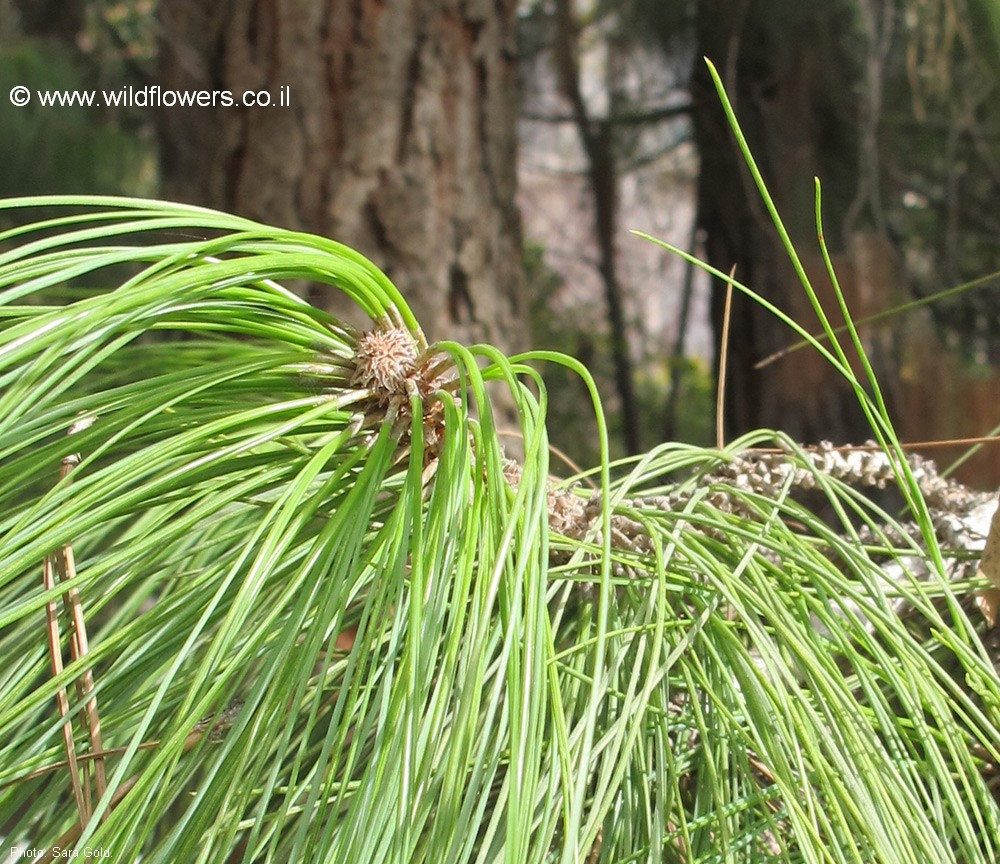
(271, 590)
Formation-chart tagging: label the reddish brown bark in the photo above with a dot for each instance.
(399, 141)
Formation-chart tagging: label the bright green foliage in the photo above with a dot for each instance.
(514, 680)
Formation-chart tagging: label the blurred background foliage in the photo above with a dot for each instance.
(76, 46)
(893, 104)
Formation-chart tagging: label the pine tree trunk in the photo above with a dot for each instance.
(789, 75)
(399, 139)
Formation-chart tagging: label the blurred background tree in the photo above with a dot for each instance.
(403, 140)
(890, 105)
(893, 106)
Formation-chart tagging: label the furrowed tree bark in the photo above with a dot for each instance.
(399, 140)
